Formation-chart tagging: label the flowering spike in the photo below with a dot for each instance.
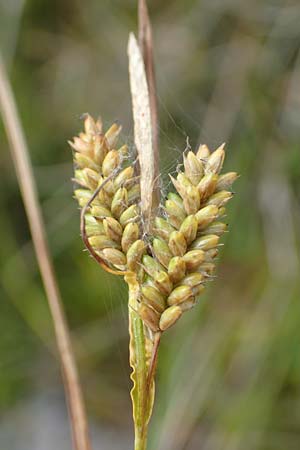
(171, 266)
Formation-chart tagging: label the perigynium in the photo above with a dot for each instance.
(166, 271)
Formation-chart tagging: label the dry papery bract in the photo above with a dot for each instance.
(171, 269)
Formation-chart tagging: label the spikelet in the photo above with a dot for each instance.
(112, 221)
(190, 231)
(171, 269)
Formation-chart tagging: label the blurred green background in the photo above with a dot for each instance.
(229, 372)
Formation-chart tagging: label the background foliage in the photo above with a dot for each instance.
(229, 371)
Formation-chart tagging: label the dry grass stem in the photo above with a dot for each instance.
(28, 189)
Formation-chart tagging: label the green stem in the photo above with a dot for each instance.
(142, 394)
(140, 441)
(139, 398)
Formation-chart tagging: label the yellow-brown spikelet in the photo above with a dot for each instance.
(172, 266)
(112, 219)
(195, 214)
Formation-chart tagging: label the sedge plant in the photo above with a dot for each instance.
(165, 250)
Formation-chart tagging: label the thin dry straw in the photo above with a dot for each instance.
(28, 189)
